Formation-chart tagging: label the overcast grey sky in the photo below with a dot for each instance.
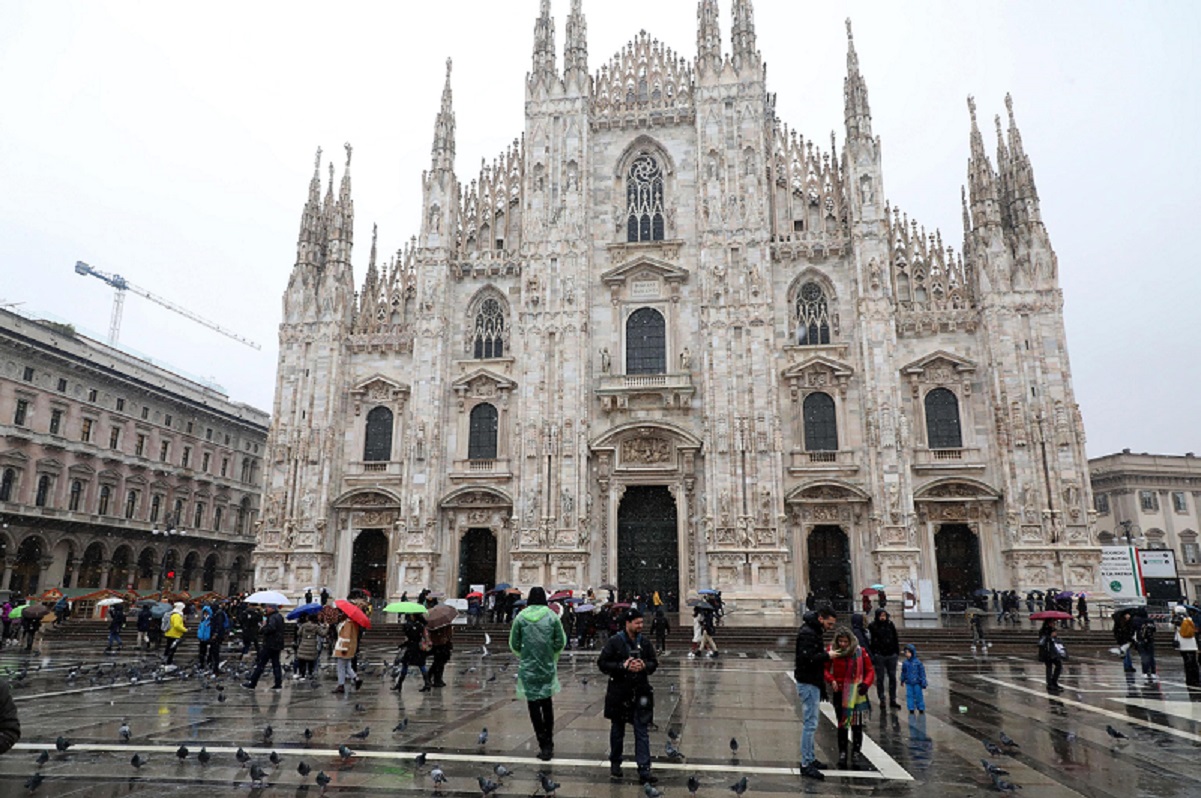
(173, 143)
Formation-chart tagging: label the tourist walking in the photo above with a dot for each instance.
(273, 645)
(659, 628)
(850, 675)
(1051, 653)
(145, 624)
(628, 659)
(1082, 609)
(204, 634)
(913, 676)
(416, 646)
(173, 630)
(1186, 643)
(219, 626)
(116, 620)
(250, 620)
(976, 622)
(537, 638)
(885, 651)
(344, 651)
(307, 647)
(810, 677)
(1123, 635)
(1144, 638)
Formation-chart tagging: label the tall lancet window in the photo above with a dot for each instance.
(378, 445)
(813, 316)
(644, 200)
(490, 330)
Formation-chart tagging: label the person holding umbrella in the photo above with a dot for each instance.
(145, 625)
(273, 646)
(351, 621)
(1052, 654)
(537, 638)
(416, 646)
(439, 622)
(116, 620)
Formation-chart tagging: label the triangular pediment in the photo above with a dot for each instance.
(818, 363)
(940, 359)
(379, 386)
(651, 267)
(13, 456)
(483, 376)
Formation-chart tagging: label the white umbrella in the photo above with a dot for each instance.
(108, 602)
(267, 597)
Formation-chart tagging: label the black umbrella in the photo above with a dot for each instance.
(982, 592)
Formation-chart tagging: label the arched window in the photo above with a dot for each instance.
(106, 494)
(198, 516)
(942, 420)
(244, 515)
(379, 435)
(76, 496)
(156, 507)
(131, 503)
(490, 330)
(813, 316)
(43, 494)
(646, 342)
(644, 200)
(217, 513)
(6, 485)
(481, 442)
(821, 427)
(245, 469)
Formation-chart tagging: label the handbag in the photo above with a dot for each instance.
(426, 643)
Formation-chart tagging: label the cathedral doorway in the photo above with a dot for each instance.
(829, 554)
(369, 563)
(648, 556)
(957, 552)
(477, 560)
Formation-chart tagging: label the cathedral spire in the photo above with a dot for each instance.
(310, 217)
(981, 179)
(1025, 206)
(544, 71)
(575, 50)
(372, 279)
(708, 37)
(443, 152)
(854, 94)
(742, 33)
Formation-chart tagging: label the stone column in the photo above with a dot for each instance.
(9, 562)
(105, 569)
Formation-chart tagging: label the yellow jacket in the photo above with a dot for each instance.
(177, 628)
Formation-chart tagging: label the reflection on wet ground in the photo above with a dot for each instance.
(1063, 748)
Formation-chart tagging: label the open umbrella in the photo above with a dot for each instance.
(573, 600)
(474, 594)
(402, 607)
(1050, 615)
(160, 609)
(520, 603)
(561, 595)
(621, 605)
(304, 609)
(608, 587)
(268, 597)
(442, 615)
(355, 614)
(584, 607)
(970, 611)
(868, 591)
(512, 591)
(110, 601)
(1037, 593)
(17, 612)
(1065, 594)
(982, 592)
(502, 586)
(707, 592)
(704, 606)
(878, 586)
(435, 595)
(35, 611)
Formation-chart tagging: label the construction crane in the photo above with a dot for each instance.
(121, 285)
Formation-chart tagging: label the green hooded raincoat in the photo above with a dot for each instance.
(537, 639)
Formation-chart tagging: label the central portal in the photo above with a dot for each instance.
(477, 560)
(648, 557)
(369, 563)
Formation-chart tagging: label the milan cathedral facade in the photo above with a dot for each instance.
(666, 341)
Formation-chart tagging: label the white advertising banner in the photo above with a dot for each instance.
(1119, 572)
(1157, 563)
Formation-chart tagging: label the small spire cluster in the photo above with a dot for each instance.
(492, 204)
(926, 274)
(854, 94)
(1007, 196)
(322, 275)
(443, 150)
(386, 295)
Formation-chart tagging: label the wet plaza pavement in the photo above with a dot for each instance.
(1064, 747)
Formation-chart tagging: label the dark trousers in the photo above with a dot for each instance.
(441, 656)
(1192, 674)
(202, 654)
(885, 666)
(1146, 654)
(266, 655)
(1054, 668)
(214, 655)
(247, 642)
(169, 653)
(542, 715)
(855, 738)
(306, 667)
(642, 742)
(661, 640)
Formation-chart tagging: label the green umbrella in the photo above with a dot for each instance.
(17, 612)
(405, 608)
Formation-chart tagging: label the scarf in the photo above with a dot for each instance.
(855, 704)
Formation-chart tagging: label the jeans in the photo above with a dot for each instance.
(810, 695)
(642, 742)
(542, 715)
(267, 655)
(1147, 656)
(915, 697)
(114, 638)
(1054, 668)
(886, 666)
(345, 670)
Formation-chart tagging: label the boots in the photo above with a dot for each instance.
(842, 748)
(399, 683)
(426, 685)
(856, 745)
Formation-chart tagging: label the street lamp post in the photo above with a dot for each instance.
(169, 532)
(1131, 531)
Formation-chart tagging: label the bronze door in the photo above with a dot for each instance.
(647, 542)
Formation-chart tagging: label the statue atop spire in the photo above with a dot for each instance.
(854, 94)
(981, 179)
(742, 34)
(708, 37)
(575, 50)
(544, 71)
(443, 151)
(1023, 199)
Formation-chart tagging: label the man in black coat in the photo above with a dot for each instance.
(628, 659)
(219, 625)
(273, 646)
(810, 676)
(886, 649)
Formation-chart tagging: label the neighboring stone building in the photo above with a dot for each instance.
(666, 340)
(1151, 500)
(115, 471)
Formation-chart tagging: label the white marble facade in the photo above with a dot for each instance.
(775, 270)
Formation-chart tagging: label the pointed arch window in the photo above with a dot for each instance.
(481, 440)
(646, 342)
(813, 316)
(644, 200)
(821, 425)
(942, 420)
(378, 445)
(490, 330)
(6, 485)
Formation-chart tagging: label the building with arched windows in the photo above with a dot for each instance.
(117, 473)
(667, 341)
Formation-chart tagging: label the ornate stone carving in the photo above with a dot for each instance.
(645, 450)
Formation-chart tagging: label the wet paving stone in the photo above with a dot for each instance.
(1063, 747)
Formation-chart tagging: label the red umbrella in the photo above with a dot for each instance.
(1051, 615)
(353, 613)
(474, 594)
(562, 594)
(621, 605)
(868, 591)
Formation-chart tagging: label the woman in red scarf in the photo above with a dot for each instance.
(849, 673)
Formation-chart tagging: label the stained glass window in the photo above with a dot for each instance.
(490, 330)
(644, 200)
(942, 420)
(813, 316)
(646, 342)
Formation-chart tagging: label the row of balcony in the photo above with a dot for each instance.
(925, 461)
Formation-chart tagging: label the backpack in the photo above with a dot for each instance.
(1188, 628)
(165, 624)
(205, 630)
(1146, 633)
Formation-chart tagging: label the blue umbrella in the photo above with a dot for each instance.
(304, 609)
(502, 586)
(707, 592)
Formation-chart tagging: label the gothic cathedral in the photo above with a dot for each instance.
(667, 342)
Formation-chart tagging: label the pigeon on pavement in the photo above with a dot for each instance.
(673, 752)
(34, 781)
(734, 746)
(1002, 785)
(308, 734)
(399, 727)
(420, 759)
(62, 744)
(1007, 740)
(182, 752)
(483, 738)
(1110, 730)
(487, 786)
(993, 769)
(739, 787)
(992, 748)
(137, 761)
(362, 735)
(123, 732)
(694, 785)
(303, 768)
(345, 752)
(241, 756)
(42, 759)
(548, 786)
(651, 791)
(438, 776)
(257, 774)
(501, 772)
(204, 756)
(274, 758)
(268, 733)
(323, 779)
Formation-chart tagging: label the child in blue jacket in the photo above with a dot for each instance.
(913, 676)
